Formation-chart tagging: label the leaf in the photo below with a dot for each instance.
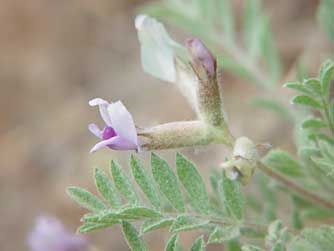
(132, 237)
(251, 248)
(185, 223)
(88, 227)
(223, 234)
(326, 74)
(172, 243)
(141, 212)
(284, 163)
(269, 50)
(199, 244)
(273, 106)
(314, 239)
(123, 183)
(325, 16)
(232, 197)
(226, 18)
(193, 183)
(314, 123)
(252, 26)
(154, 224)
(306, 101)
(130, 213)
(167, 182)
(314, 86)
(85, 199)
(144, 181)
(106, 188)
(298, 87)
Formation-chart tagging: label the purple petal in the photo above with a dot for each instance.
(108, 132)
(93, 128)
(122, 122)
(103, 107)
(116, 143)
(49, 234)
(199, 52)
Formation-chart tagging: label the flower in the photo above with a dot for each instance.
(201, 56)
(50, 235)
(119, 132)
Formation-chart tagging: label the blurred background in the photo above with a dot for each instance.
(56, 55)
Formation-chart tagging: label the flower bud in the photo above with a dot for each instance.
(243, 163)
(201, 56)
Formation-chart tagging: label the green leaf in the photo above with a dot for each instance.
(172, 243)
(253, 26)
(251, 248)
(106, 188)
(130, 213)
(144, 181)
(223, 234)
(298, 87)
(314, 239)
(325, 16)
(185, 223)
(297, 221)
(273, 106)
(284, 163)
(199, 244)
(232, 197)
(269, 50)
(326, 74)
(141, 212)
(154, 224)
(226, 18)
(306, 101)
(167, 182)
(85, 199)
(123, 183)
(88, 227)
(193, 183)
(314, 86)
(314, 123)
(135, 243)
(234, 245)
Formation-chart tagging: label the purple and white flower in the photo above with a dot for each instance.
(119, 132)
(50, 235)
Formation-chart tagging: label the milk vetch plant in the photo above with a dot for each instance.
(154, 197)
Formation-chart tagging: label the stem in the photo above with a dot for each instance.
(327, 116)
(295, 188)
(261, 228)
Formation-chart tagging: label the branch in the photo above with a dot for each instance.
(295, 188)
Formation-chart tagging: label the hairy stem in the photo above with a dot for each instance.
(294, 187)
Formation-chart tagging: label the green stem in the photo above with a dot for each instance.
(294, 187)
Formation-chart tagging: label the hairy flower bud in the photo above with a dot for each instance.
(201, 56)
(243, 163)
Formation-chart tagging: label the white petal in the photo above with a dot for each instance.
(165, 59)
(103, 107)
(97, 101)
(157, 56)
(122, 122)
(93, 128)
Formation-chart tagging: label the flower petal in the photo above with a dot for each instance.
(93, 128)
(157, 56)
(122, 122)
(164, 58)
(116, 143)
(103, 107)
